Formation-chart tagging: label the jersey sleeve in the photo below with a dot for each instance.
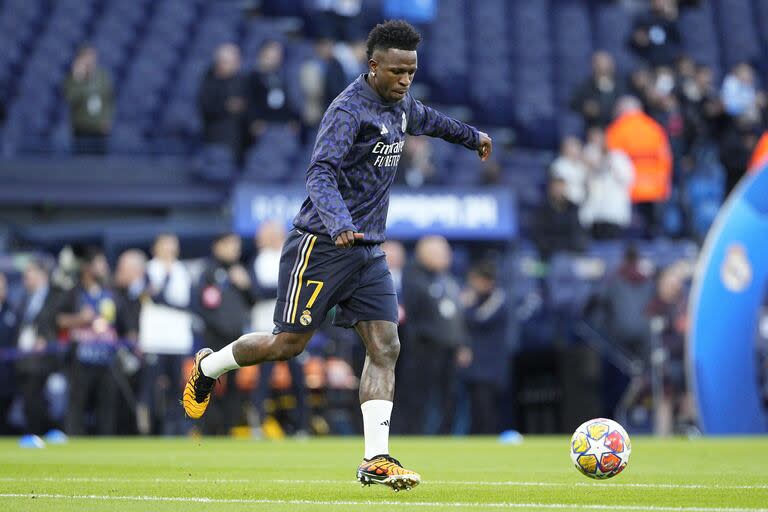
(424, 120)
(336, 136)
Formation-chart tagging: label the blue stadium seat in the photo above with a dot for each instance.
(739, 40)
(697, 28)
(612, 24)
(216, 164)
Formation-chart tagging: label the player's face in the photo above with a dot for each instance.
(393, 71)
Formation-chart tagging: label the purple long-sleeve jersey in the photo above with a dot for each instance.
(355, 159)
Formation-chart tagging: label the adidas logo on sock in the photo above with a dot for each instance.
(384, 423)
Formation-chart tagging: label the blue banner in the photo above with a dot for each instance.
(465, 214)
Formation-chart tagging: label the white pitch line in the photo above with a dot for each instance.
(336, 503)
(438, 482)
(550, 484)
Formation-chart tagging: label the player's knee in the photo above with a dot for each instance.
(387, 351)
(289, 346)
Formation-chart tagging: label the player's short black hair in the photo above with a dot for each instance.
(397, 34)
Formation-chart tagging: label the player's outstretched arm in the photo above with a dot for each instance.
(423, 120)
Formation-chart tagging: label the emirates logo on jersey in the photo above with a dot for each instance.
(388, 155)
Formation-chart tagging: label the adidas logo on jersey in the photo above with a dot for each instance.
(384, 130)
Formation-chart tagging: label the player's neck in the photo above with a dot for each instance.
(369, 81)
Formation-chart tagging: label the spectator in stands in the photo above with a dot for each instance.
(669, 114)
(266, 89)
(645, 142)
(655, 35)
(130, 289)
(168, 279)
(222, 101)
(556, 223)
(417, 168)
(353, 57)
(668, 307)
(622, 303)
(88, 90)
(487, 317)
(596, 97)
(740, 94)
(640, 85)
(702, 105)
(169, 285)
(736, 144)
(436, 334)
(8, 329)
(225, 301)
(269, 243)
(570, 166)
(89, 313)
(35, 343)
(335, 78)
(607, 208)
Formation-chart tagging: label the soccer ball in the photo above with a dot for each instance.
(600, 448)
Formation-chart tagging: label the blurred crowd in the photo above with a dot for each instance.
(93, 350)
(665, 141)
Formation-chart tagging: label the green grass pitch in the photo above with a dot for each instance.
(318, 475)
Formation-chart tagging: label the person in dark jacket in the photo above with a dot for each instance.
(35, 343)
(656, 36)
(131, 290)
(268, 100)
(222, 100)
(8, 329)
(597, 95)
(89, 313)
(130, 286)
(89, 93)
(557, 226)
(225, 301)
(436, 336)
(487, 317)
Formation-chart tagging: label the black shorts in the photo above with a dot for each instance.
(315, 276)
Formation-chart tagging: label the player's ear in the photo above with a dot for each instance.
(372, 66)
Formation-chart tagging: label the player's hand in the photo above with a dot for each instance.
(347, 239)
(485, 147)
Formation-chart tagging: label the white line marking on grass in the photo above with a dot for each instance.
(87, 479)
(336, 503)
(552, 484)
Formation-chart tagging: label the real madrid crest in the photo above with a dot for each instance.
(404, 123)
(306, 317)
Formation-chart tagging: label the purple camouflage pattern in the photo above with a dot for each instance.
(356, 154)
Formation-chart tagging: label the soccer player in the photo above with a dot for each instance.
(333, 256)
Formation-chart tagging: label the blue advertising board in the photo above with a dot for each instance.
(465, 214)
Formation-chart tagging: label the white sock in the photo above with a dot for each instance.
(376, 415)
(219, 362)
